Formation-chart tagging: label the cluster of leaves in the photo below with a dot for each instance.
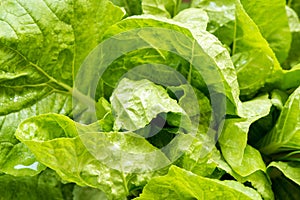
(223, 123)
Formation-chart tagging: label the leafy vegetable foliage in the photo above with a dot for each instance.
(149, 99)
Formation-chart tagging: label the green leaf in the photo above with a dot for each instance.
(221, 18)
(132, 7)
(149, 49)
(164, 8)
(54, 140)
(214, 48)
(251, 53)
(293, 19)
(43, 186)
(200, 162)
(172, 54)
(182, 184)
(15, 157)
(195, 18)
(136, 103)
(289, 79)
(262, 13)
(295, 5)
(261, 182)
(284, 188)
(285, 179)
(195, 104)
(290, 169)
(294, 24)
(285, 135)
(42, 45)
(258, 179)
(234, 136)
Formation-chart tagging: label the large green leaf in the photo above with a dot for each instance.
(265, 14)
(234, 136)
(42, 45)
(285, 135)
(214, 48)
(113, 162)
(15, 157)
(182, 56)
(164, 61)
(250, 51)
(182, 184)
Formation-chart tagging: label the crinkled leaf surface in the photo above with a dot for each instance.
(250, 51)
(15, 157)
(136, 103)
(214, 48)
(110, 161)
(221, 18)
(175, 55)
(150, 39)
(42, 45)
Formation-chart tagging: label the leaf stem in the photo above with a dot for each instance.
(63, 85)
(72, 91)
(234, 36)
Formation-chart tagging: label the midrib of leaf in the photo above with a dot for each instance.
(124, 109)
(189, 78)
(290, 3)
(70, 90)
(38, 68)
(63, 85)
(276, 140)
(285, 123)
(67, 89)
(126, 5)
(234, 37)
